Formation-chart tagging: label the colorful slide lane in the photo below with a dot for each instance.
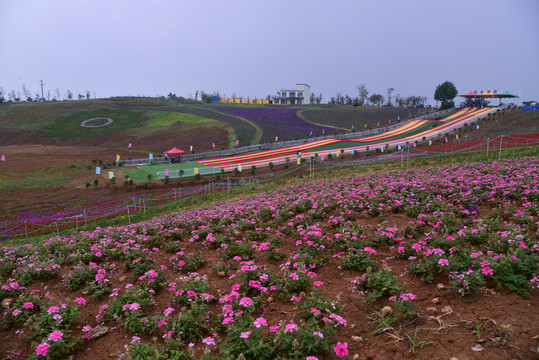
(412, 131)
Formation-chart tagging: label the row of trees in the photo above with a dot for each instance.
(26, 95)
(363, 99)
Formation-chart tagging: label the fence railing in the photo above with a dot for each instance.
(26, 228)
(275, 145)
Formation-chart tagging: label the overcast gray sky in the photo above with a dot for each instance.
(255, 48)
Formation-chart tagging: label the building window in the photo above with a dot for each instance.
(283, 93)
(292, 94)
(284, 102)
(300, 94)
(299, 102)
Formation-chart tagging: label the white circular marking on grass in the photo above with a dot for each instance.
(99, 122)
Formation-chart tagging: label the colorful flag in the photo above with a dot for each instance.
(477, 126)
(111, 175)
(323, 131)
(151, 156)
(446, 139)
(237, 142)
(213, 145)
(3, 157)
(390, 121)
(166, 172)
(322, 158)
(129, 146)
(239, 167)
(276, 138)
(310, 133)
(97, 170)
(298, 161)
(378, 123)
(352, 151)
(398, 118)
(117, 158)
(195, 171)
(191, 148)
(457, 136)
(430, 142)
(398, 147)
(415, 144)
(382, 148)
(352, 127)
(365, 126)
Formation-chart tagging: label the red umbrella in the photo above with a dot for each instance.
(175, 151)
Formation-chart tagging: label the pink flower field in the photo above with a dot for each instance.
(437, 262)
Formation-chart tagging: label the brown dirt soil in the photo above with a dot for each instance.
(450, 322)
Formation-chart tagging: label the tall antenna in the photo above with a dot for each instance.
(41, 81)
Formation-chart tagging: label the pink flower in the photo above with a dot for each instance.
(260, 322)
(245, 335)
(28, 305)
(443, 262)
(53, 309)
(42, 349)
(487, 271)
(290, 328)
(275, 328)
(134, 306)
(55, 336)
(318, 283)
(209, 341)
(80, 300)
(246, 301)
(341, 349)
(191, 293)
(168, 311)
(87, 328)
(311, 358)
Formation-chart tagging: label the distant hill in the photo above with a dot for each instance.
(156, 125)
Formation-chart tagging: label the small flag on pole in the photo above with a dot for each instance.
(430, 142)
(310, 133)
(3, 157)
(398, 147)
(390, 121)
(298, 160)
(398, 118)
(237, 142)
(213, 145)
(323, 131)
(195, 171)
(276, 138)
(190, 147)
(352, 127)
(365, 126)
(382, 148)
(446, 139)
(378, 123)
(111, 175)
(457, 136)
(352, 151)
(322, 158)
(166, 172)
(477, 127)
(415, 144)
(151, 156)
(117, 158)
(129, 146)
(97, 170)
(239, 167)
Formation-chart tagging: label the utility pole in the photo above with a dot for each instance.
(41, 81)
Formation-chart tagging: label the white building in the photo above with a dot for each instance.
(299, 96)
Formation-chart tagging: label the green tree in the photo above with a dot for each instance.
(376, 99)
(389, 92)
(363, 94)
(445, 93)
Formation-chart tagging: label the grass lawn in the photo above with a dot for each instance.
(140, 174)
(68, 127)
